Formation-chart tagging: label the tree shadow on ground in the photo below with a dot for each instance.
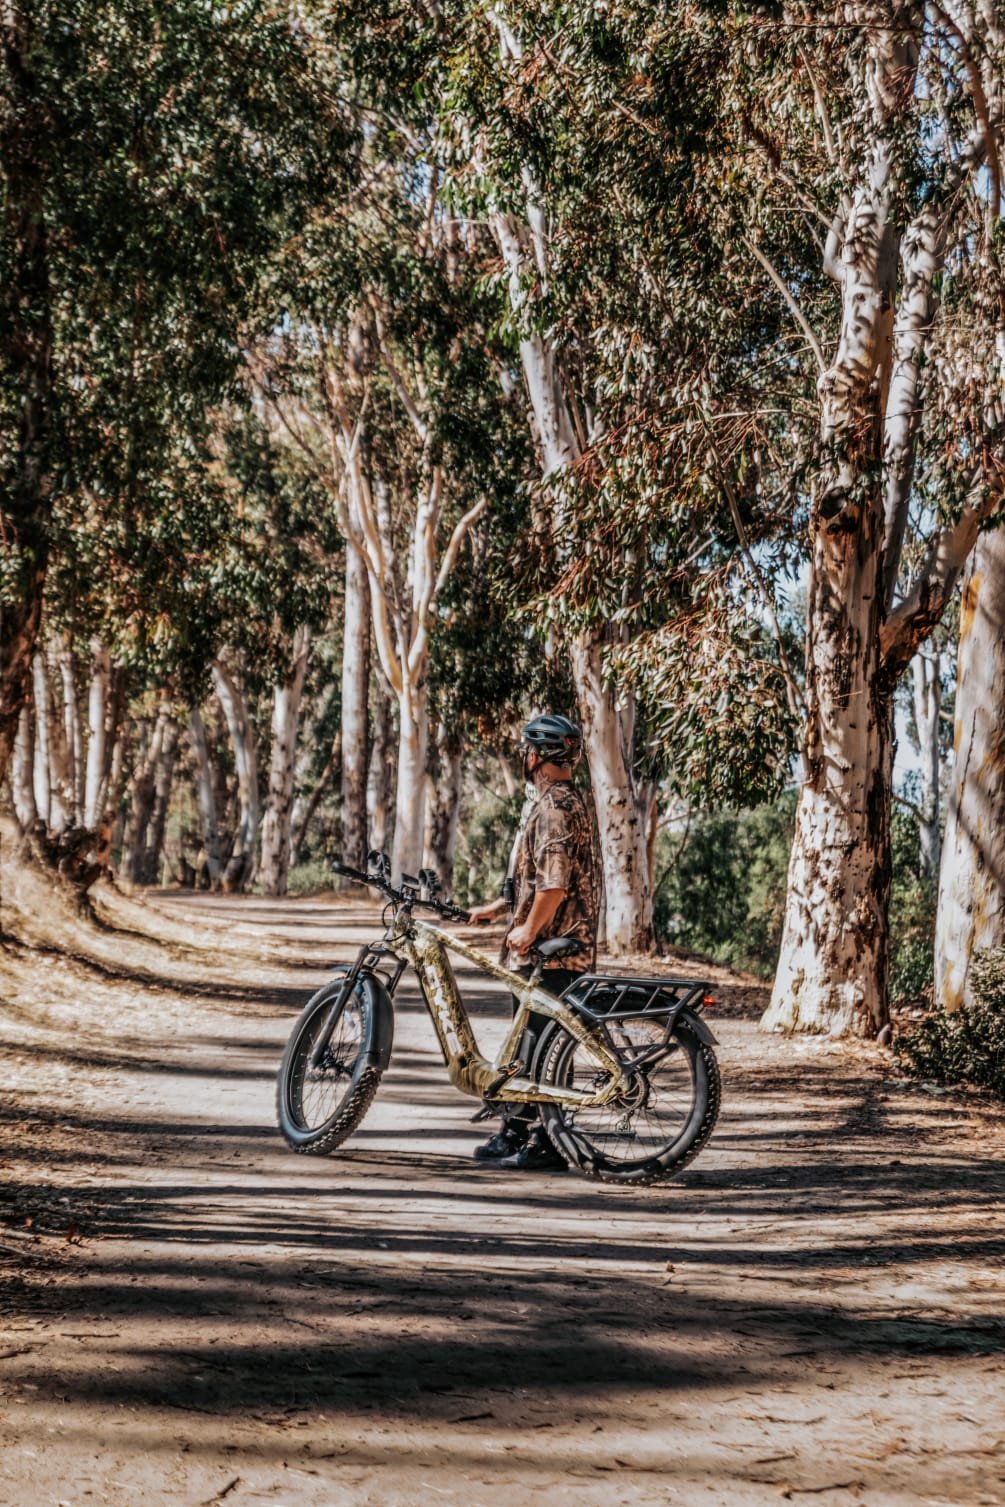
(404, 1340)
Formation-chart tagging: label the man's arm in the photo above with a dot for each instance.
(543, 907)
(480, 914)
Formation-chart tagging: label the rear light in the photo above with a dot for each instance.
(708, 1000)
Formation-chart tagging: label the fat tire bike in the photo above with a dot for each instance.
(624, 1074)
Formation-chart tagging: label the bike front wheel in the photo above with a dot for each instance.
(662, 1121)
(318, 1105)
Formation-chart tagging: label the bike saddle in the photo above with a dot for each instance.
(558, 947)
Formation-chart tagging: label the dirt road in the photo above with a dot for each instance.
(190, 1314)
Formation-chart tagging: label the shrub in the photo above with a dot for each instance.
(722, 887)
(483, 849)
(966, 1045)
(310, 878)
(913, 896)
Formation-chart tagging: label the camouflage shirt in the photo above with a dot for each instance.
(556, 851)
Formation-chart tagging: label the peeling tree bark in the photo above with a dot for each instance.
(971, 913)
(834, 965)
(275, 865)
(608, 735)
(409, 810)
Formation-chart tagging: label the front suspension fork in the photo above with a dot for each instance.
(364, 963)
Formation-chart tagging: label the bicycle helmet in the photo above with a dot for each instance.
(555, 738)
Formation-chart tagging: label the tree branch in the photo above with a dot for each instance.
(914, 618)
(794, 308)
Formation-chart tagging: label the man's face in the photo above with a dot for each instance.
(531, 760)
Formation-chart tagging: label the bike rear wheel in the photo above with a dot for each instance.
(318, 1107)
(653, 1130)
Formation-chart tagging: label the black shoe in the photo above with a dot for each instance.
(538, 1155)
(505, 1143)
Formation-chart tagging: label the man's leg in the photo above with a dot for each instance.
(521, 1132)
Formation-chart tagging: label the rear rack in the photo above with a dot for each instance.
(613, 996)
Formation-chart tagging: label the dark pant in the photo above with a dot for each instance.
(554, 981)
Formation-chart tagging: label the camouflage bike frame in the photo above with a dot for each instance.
(426, 948)
(502, 1078)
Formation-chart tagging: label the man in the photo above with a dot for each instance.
(555, 894)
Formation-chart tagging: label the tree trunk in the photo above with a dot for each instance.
(206, 797)
(275, 865)
(380, 776)
(111, 799)
(73, 797)
(164, 757)
(621, 811)
(608, 722)
(99, 735)
(355, 704)
(240, 867)
(26, 367)
(140, 798)
(834, 965)
(42, 765)
(303, 822)
(61, 796)
(926, 676)
(409, 809)
(443, 805)
(22, 771)
(971, 913)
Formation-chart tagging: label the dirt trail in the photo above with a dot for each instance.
(189, 1314)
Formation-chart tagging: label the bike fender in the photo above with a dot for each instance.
(382, 1016)
(698, 1026)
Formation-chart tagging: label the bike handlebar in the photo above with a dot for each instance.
(403, 896)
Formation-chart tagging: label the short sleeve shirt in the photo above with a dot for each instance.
(556, 851)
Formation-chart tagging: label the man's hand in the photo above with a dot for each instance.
(484, 915)
(521, 939)
(544, 908)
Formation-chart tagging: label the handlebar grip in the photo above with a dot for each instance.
(350, 873)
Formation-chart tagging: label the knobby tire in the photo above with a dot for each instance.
(364, 1078)
(555, 1059)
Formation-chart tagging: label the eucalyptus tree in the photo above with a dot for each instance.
(971, 907)
(151, 160)
(661, 383)
(909, 131)
(504, 182)
(276, 592)
(486, 668)
(873, 123)
(385, 382)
